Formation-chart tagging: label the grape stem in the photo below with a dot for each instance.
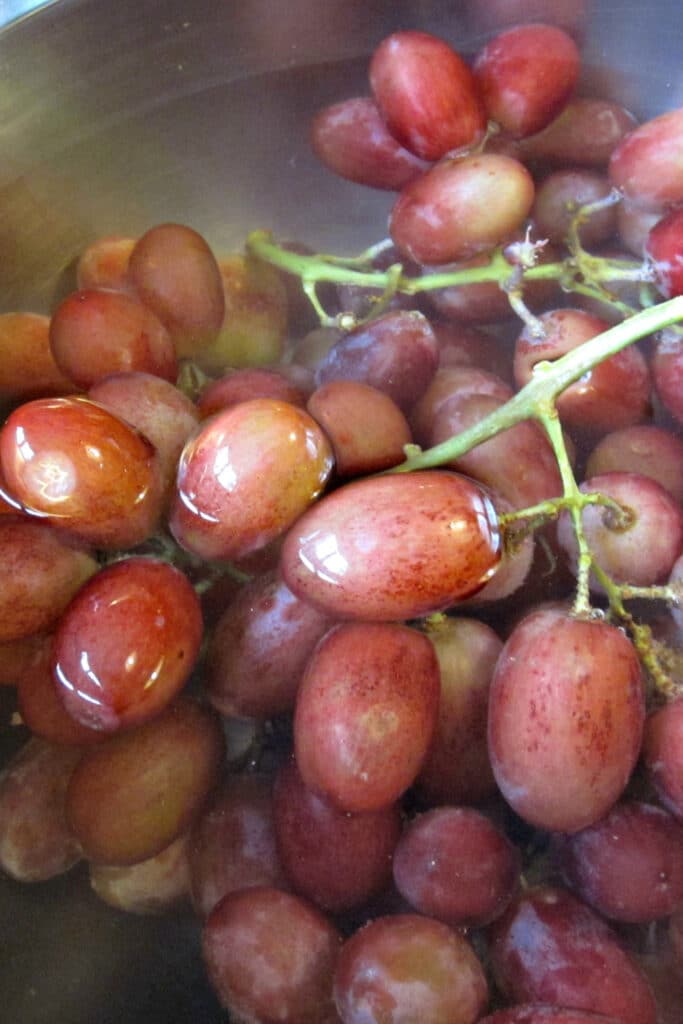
(580, 272)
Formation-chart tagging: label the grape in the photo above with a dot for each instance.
(353, 141)
(526, 75)
(614, 394)
(246, 476)
(365, 713)
(77, 465)
(641, 553)
(487, 871)
(645, 449)
(664, 249)
(310, 350)
(154, 407)
(550, 948)
(461, 208)
(585, 134)
(243, 385)
(104, 264)
(566, 717)
(259, 648)
(367, 429)
(95, 333)
(41, 572)
(153, 886)
(175, 273)
(394, 547)
(130, 797)
(35, 840)
(28, 368)
(127, 644)
(335, 859)
(253, 328)
(667, 366)
(647, 165)
(232, 845)
(663, 754)
(629, 865)
(561, 194)
(449, 382)
(396, 353)
(426, 94)
(408, 968)
(460, 345)
(19, 659)
(258, 976)
(518, 463)
(634, 225)
(41, 707)
(457, 768)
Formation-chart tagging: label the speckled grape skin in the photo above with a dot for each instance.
(366, 712)
(566, 716)
(394, 547)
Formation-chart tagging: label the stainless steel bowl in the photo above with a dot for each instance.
(116, 116)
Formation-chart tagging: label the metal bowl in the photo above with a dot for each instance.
(117, 116)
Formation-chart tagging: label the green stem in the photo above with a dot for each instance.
(548, 381)
(343, 270)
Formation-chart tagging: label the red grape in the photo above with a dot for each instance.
(566, 716)
(154, 886)
(458, 767)
(641, 553)
(526, 75)
(647, 165)
(78, 466)
(393, 547)
(36, 842)
(259, 648)
(243, 385)
(613, 394)
(41, 572)
(461, 208)
(663, 754)
(629, 865)
(664, 249)
(94, 333)
(426, 94)
(271, 957)
(335, 859)
(584, 135)
(487, 871)
(127, 643)
(104, 264)
(246, 476)
(549, 948)
(397, 353)
(131, 796)
(42, 709)
(175, 273)
(645, 449)
(28, 368)
(254, 324)
(409, 968)
(367, 429)
(558, 198)
(365, 713)
(233, 844)
(154, 407)
(353, 141)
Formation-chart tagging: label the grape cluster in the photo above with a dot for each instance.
(360, 633)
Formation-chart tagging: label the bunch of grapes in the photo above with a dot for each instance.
(341, 595)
